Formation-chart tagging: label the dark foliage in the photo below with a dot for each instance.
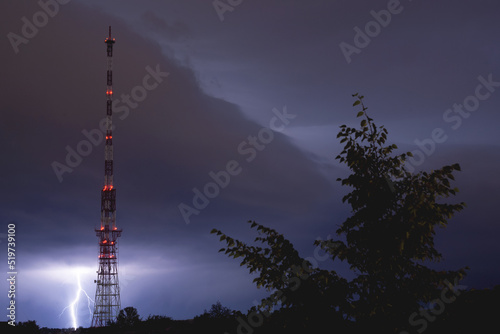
(217, 311)
(386, 242)
(128, 318)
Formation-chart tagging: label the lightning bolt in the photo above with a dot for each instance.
(73, 306)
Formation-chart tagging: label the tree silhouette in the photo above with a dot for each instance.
(391, 232)
(217, 311)
(29, 326)
(128, 318)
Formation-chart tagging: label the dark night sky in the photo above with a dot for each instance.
(224, 80)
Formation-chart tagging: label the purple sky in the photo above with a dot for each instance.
(225, 78)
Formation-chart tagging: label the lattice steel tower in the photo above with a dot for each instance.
(107, 295)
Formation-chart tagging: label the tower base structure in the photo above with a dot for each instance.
(107, 296)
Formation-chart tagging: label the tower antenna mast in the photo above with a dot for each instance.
(107, 296)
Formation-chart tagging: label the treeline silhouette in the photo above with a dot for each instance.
(475, 311)
(387, 242)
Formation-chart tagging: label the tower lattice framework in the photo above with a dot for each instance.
(107, 296)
